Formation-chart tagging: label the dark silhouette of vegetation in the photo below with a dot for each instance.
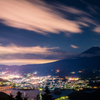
(26, 97)
(11, 97)
(4, 96)
(81, 95)
(19, 96)
(37, 97)
(47, 95)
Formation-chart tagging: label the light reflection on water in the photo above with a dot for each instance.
(30, 93)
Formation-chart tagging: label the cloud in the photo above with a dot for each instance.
(20, 62)
(73, 46)
(83, 23)
(36, 16)
(97, 29)
(18, 55)
(72, 10)
(87, 20)
(0, 43)
(54, 56)
(14, 49)
(83, 18)
(92, 10)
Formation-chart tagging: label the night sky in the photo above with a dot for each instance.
(43, 31)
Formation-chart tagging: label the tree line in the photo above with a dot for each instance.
(45, 96)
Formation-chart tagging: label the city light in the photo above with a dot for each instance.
(74, 79)
(57, 71)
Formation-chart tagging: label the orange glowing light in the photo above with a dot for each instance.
(74, 79)
(62, 78)
(66, 77)
(57, 71)
(81, 89)
(80, 71)
(95, 87)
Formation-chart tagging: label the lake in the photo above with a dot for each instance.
(31, 93)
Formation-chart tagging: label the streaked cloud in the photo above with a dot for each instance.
(14, 49)
(72, 10)
(18, 55)
(83, 23)
(74, 46)
(20, 62)
(87, 20)
(36, 16)
(92, 9)
(97, 29)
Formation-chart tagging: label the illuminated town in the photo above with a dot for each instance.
(30, 81)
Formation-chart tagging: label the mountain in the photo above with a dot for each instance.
(92, 50)
(84, 63)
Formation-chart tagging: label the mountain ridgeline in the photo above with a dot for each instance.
(87, 60)
(92, 50)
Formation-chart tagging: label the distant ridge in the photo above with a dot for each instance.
(92, 50)
(87, 60)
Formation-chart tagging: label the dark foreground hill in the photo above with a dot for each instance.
(4, 96)
(81, 95)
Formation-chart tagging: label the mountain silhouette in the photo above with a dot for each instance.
(90, 61)
(92, 50)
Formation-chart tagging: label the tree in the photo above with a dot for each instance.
(19, 96)
(3, 98)
(26, 97)
(37, 97)
(11, 97)
(47, 95)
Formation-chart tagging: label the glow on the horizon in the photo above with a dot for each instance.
(11, 76)
(20, 62)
